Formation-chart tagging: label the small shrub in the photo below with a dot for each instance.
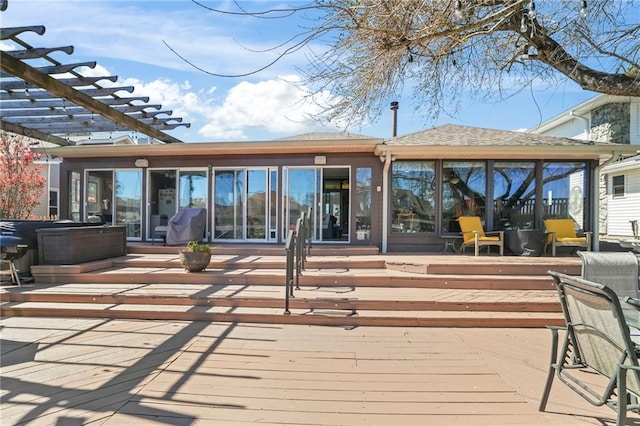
(195, 246)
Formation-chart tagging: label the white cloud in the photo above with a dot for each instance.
(282, 105)
(277, 106)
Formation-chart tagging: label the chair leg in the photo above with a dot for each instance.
(477, 245)
(15, 275)
(552, 370)
(622, 397)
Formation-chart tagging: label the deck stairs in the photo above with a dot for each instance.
(340, 286)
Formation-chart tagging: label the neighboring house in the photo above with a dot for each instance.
(623, 196)
(607, 118)
(400, 194)
(47, 208)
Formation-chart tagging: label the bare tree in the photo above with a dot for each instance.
(446, 51)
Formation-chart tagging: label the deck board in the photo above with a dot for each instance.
(116, 372)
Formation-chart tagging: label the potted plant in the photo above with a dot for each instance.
(195, 257)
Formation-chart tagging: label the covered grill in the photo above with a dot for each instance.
(13, 248)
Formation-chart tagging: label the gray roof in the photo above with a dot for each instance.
(455, 135)
(319, 136)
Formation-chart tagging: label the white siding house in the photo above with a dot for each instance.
(623, 196)
(612, 119)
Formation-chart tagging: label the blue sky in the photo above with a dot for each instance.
(126, 38)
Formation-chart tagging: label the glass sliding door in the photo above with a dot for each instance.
(128, 201)
(115, 198)
(301, 192)
(325, 189)
(99, 196)
(257, 202)
(162, 198)
(273, 205)
(192, 188)
(245, 204)
(75, 196)
(229, 206)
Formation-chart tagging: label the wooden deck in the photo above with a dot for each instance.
(454, 349)
(126, 372)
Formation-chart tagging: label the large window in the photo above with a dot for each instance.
(229, 206)
(74, 196)
(128, 201)
(245, 204)
(463, 191)
(514, 195)
(193, 188)
(412, 196)
(564, 192)
(114, 197)
(363, 203)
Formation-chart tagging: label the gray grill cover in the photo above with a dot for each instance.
(186, 225)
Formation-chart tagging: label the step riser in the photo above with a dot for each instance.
(435, 269)
(472, 282)
(295, 303)
(346, 321)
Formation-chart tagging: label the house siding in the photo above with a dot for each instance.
(575, 128)
(623, 209)
(41, 211)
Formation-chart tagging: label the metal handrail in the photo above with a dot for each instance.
(290, 250)
(309, 227)
(299, 243)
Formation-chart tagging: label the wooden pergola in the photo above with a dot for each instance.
(49, 100)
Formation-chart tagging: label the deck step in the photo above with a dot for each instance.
(310, 278)
(328, 317)
(339, 306)
(334, 289)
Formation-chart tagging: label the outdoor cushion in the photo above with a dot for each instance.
(562, 232)
(473, 234)
(564, 229)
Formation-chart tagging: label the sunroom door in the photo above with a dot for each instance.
(302, 192)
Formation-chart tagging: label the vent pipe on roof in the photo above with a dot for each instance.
(394, 118)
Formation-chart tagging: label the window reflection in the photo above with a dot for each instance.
(412, 196)
(228, 212)
(514, 192)
(564, 192)
(463, 192)
(128, 201)
(193, 188)
(363, 199)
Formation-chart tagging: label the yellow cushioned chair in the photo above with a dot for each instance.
(473, 234)
(562, 232)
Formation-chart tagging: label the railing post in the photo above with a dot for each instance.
(309, 235)
(288, 285)
(303, 237)
(299, 249)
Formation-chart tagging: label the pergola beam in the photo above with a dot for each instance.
(35, 134)
(33, 101)
(52, 112)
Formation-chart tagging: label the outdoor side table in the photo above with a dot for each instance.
(450, 242)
